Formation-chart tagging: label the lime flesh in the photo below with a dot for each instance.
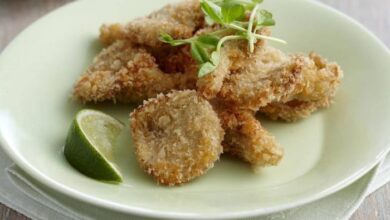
(89, 145)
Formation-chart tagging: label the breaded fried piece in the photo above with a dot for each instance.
(210, 84)
(290, 111)
(274, 77)
(267, 76)
(175, 60)
(126, 73)
(177, 136)
(233, 56)
(246, 139)
(321, 80)
(180, 20)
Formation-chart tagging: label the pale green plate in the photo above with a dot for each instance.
(323, 154)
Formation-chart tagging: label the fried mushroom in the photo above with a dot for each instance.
(246, 139)
(177, 137)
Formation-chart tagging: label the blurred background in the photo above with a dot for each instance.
(15, 15)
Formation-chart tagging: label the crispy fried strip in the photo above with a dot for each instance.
(246, 139)
(273, 77)
(289, 111)
(234, 55)
(268, 76)
(125, 73)
(180, 20)
(321, 80)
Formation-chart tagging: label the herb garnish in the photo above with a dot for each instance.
(231, 15)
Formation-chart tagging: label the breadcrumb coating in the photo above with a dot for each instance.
(177, 136)
(175, 60)
(321, 80)
(180, 135)
(233, 55)
(180, 20)
(127, 73)
(274, 77)
(246, 139)
(210, 84)
(320, 83)
(290, 111)
(267, 75)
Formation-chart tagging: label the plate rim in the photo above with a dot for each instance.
(67, 191)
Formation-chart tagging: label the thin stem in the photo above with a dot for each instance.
(244, 23)
(245, 2)
(251, 38)
(222, 32)
(224, 39)
(258, 36)
(241, 1)
(236, 27)
(216, 1)
(252, 19)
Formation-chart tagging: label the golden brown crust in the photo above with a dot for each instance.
(233, 56)
(126, 73)
(180, 20)
(267, 75)
(246, 139)
(271, 76)
(321, 80)
(109, 33)
(290, 111)
(175, 60)
(211, 84)
(177, 136)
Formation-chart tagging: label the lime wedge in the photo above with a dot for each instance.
(90, 142)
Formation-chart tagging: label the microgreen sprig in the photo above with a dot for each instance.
(231, 16)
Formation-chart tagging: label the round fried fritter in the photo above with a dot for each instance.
(177, 136)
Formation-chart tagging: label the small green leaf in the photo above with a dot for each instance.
(205, 69)
(199, 53)
(264, 18)
(257, 1)
(212, 10)
(209, 21)
(251, 5)
(231, 15)
(232, 11)
(217, 2)
(196, 54)
(248, 4)
(215, 57)
(240, 24)
(166, 38)
(209, 40)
